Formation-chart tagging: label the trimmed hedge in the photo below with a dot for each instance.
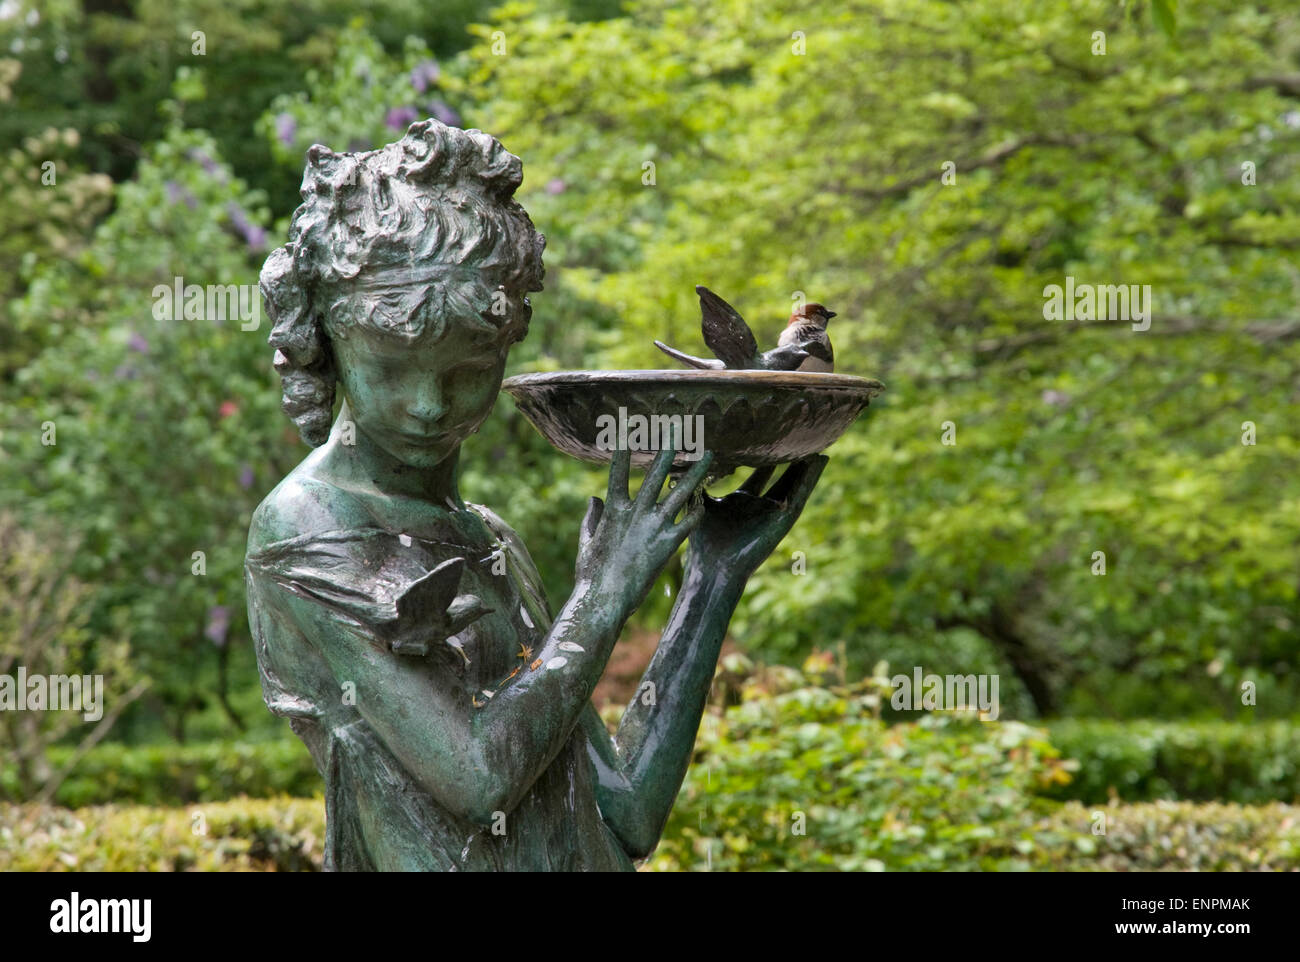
(796, 777)
(172, 775)
(1085, 760)
(1243, 762)
(244, 835)
(1140, 761)
(1161, 837)
(287, 834)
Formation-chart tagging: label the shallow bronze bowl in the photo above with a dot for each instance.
(753, 418)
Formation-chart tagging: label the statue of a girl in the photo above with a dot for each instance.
(403, 632)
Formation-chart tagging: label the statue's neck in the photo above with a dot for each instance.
(354, 460)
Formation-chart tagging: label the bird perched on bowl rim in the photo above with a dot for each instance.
(803, 346)
(807, 329)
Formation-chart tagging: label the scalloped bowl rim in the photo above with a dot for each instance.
(571, 437)
(668, 376)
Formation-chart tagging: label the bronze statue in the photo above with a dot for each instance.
(403, 632)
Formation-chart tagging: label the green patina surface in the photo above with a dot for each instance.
(404, 632)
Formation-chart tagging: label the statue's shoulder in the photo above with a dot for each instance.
(504, 535)
(516, 552)
(303, 505)
(494, 522)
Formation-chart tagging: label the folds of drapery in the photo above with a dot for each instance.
(377, 817)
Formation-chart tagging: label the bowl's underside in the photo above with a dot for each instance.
(754, 418)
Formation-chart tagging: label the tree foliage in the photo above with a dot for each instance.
(803, 148)
(163, 428)
(927, 169)
(44, 637)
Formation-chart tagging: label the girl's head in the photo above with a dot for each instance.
(404, 281)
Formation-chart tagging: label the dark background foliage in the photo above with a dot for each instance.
(666, 146)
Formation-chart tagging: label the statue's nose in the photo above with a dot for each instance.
(427, 406)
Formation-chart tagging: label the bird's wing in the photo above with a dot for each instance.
(725, 331)
(812, 339)
(431, 595)
(787, 357)
(820, 348)
(690, 360)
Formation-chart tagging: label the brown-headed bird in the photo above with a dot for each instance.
(803, 346)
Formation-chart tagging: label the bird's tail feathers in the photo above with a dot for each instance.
(690, 360)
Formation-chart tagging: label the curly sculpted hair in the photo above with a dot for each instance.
(402, 239)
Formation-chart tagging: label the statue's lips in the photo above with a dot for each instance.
(423, 440)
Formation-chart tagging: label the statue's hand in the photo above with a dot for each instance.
(430, 610)
(625, 543)
(740, 530)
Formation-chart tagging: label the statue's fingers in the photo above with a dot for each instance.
(619, 465)
(687, 486)
(809, 481)
(654, 479)
(798, 480)
(595, 511)
(755, 483)
(691, 521)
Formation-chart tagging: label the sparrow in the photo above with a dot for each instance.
(807, 329)
(803, 346)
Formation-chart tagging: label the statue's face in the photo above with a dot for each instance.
(416, 398)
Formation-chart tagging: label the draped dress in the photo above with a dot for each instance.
(378, 817)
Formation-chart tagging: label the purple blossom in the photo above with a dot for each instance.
(176, 193)
(218, 625)
(246, 477)
(423, 74)
(254, 236)
(210, 166)
(1056, 398)
(399, 118)
(237, 216)
(443, 113)
(285, 128)
(555, 186)
(137, 343)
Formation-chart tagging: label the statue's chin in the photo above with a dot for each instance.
(423, 456)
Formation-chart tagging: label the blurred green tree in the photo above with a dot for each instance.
(166, 429)
(928, 170)
(43, 635)
(51, 205)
